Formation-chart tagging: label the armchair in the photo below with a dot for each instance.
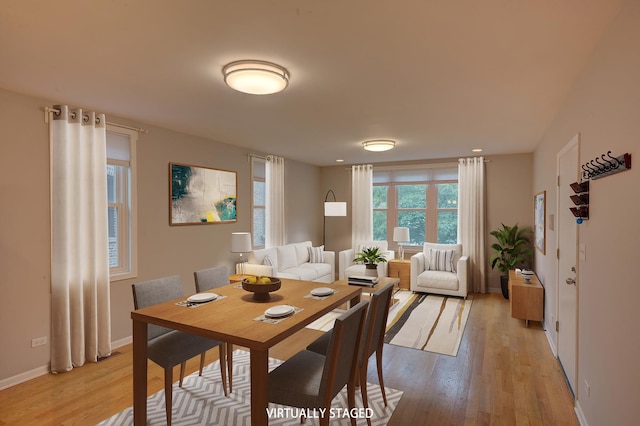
(347, 268)
(440, 269)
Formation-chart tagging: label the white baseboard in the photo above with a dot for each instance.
(581, 418)
(45, 369)
(552, 344)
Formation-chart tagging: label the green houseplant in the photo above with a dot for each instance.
(370, 256)
(511, 250)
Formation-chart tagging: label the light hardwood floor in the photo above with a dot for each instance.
(504, 374)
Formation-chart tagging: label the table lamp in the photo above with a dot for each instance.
(401, 235)
(241, 243)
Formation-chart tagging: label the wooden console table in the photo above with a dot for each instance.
(526, 299)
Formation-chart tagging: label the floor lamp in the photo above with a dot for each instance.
(241, 243)
(401, 235)
(332, 208)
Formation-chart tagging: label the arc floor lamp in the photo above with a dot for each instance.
(332, 208)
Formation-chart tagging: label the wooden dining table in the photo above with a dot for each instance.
(232, 318)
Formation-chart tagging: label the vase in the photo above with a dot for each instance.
(371, 270)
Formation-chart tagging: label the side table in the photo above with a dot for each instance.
(401, 269)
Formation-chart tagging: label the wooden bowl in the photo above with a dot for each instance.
(261, 291)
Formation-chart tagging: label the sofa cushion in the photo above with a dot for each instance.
(257, 256)
(301, 272)
(438, 279)
(320, 269)
(316, 254)
(440, 260)
(286, 257)
(302, 252)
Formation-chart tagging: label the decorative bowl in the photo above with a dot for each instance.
(261, 290)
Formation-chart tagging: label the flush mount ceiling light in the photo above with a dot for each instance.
(256, 77)
(379, 145)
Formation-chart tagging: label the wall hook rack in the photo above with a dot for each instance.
(605, 165)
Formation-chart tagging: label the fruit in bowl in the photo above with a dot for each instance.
(261, 286)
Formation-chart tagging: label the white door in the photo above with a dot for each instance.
(568, 165)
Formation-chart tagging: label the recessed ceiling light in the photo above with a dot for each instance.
(256, 77)
(476, 150)
(339, 160)
(379, 145)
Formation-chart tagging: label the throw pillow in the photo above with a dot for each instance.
(267, 261)
(316, 254)
(441, 260)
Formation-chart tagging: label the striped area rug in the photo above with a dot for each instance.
(430, 323)
(201, 401)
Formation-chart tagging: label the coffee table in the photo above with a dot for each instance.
(382, 281)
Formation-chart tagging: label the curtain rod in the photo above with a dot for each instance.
(48, 110)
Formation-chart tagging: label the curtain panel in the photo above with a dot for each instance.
(274, 202)
(362, 204)
(472, 218)
(80, 298)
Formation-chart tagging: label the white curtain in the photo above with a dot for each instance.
(80, 299)
(274, 203)
(471, 219)
(361, 204)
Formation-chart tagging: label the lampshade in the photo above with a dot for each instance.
(240, 242)
(256, 77)
(401, 234)
(335, 208)
(379, 145)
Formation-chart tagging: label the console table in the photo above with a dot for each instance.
(526, 299)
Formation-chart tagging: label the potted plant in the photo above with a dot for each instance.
(511, 250)
(370, 257)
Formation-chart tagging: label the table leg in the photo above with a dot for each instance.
(139, 373)
(356, 299)
(259, 387)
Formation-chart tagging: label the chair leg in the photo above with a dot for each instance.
(230, 365)
(182, 368)
(380, 380)
(351, 399)
(223, 366)
(202, 355)
(168, 393)
(363, 388)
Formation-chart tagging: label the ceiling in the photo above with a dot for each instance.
(438, 76)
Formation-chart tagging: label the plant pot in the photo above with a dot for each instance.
(504, 285)
(371, 270)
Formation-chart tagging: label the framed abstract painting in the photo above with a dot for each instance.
(539, 213)
(201, 195)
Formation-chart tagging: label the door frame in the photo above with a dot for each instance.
(573, 143)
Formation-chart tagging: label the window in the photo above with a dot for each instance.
(121, 184)
(258, 201)
(425, 200)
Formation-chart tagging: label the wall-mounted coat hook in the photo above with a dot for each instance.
(602, 166)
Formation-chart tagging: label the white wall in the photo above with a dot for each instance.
(604, 107)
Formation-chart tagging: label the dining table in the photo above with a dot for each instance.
(237, 318)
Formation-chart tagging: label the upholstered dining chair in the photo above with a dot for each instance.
(372, 340)
(310, 380)
(167, 347)
(208, 279)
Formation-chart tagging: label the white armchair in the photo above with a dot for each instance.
(440, 269)
(347, 268)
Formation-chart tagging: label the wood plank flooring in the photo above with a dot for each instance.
(504, 374)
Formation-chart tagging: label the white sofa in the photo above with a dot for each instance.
(291, 261)
(437, 279)
(347, 268)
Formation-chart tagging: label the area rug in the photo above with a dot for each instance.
(403, 299)
(430, 323)
(201, 401)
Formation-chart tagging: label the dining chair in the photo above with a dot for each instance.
(372, 340)
(167, 347)
(311, 380)
(208, 279)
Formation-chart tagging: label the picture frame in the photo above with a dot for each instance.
(201, 195)
(539, 214)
